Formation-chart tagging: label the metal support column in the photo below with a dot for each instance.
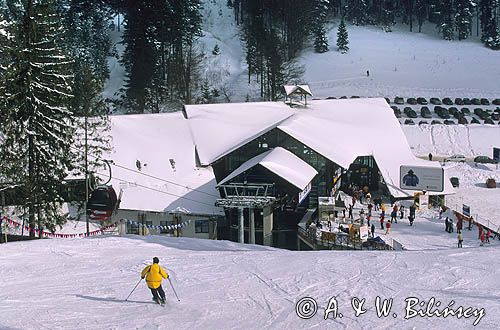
(241, 226)
(252, 226)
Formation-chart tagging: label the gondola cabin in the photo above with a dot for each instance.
(102, 203)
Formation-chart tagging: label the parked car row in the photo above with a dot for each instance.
(487, 116)
(478, 159)
(446, 101)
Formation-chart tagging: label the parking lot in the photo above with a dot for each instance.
(448, 111)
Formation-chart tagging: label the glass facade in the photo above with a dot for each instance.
(322, 183)
(287, 212)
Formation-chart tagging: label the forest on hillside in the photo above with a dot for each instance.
(162, 57)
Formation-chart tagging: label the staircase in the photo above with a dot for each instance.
(313, 197)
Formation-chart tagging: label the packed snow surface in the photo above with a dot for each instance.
(83, 283)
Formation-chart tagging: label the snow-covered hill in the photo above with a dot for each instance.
(401, 63)
(82, 283)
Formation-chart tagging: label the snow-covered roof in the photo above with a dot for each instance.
(340, 130)
(221, 128)
(168, 178)
(281, 162)
(300, 89)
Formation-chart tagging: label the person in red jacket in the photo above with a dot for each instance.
(488, 234)
(154, 274)
(381, 221)
(388, 228)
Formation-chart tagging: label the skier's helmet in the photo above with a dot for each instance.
(156, 260)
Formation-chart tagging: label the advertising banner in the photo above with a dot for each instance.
(421, 178)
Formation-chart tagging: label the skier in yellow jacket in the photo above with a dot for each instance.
(154, 274)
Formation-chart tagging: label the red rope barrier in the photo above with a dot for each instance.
(55, 235)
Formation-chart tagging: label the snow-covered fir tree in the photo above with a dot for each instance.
(357, 11)
(490, 33)
(486, 17)
(87, 37)
(445, 24)
(463, 17)
(342, 38)
(37, 122)
(420, 9)
(319, 18)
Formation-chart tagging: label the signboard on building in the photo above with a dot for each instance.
(303, 194)
(466, 210)
(496, 154)
(421, 178)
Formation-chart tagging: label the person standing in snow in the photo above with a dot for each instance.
(350, 212)
(394, 216)
(411, 218)
(402, 212)
(412, 211)
(430, 156)
(447, 225)
(382, 221)
(154, 274)
(383, 208)
(388, 228)
(460, 239)
(373, 230)
(480, 230)
(481, 237)
(488, 234)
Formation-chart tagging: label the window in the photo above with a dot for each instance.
(201, 226)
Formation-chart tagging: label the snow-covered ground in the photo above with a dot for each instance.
(403, 63)
(82, 283)
(447, 140)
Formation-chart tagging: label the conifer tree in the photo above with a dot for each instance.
(37, 122)
(342, 38)
(445, 24)
(357, 11)
(319, 18)
(490, 32)
(463, 17)
(420, 12)
(87, 37)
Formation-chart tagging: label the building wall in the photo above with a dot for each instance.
(163, 218)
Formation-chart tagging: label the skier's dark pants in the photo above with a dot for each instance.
(158, 293)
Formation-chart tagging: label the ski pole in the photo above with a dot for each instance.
(169, 281)
(134, 289)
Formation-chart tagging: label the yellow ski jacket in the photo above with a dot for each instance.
(154, 275)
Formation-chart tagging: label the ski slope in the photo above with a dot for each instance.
(82, 283)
